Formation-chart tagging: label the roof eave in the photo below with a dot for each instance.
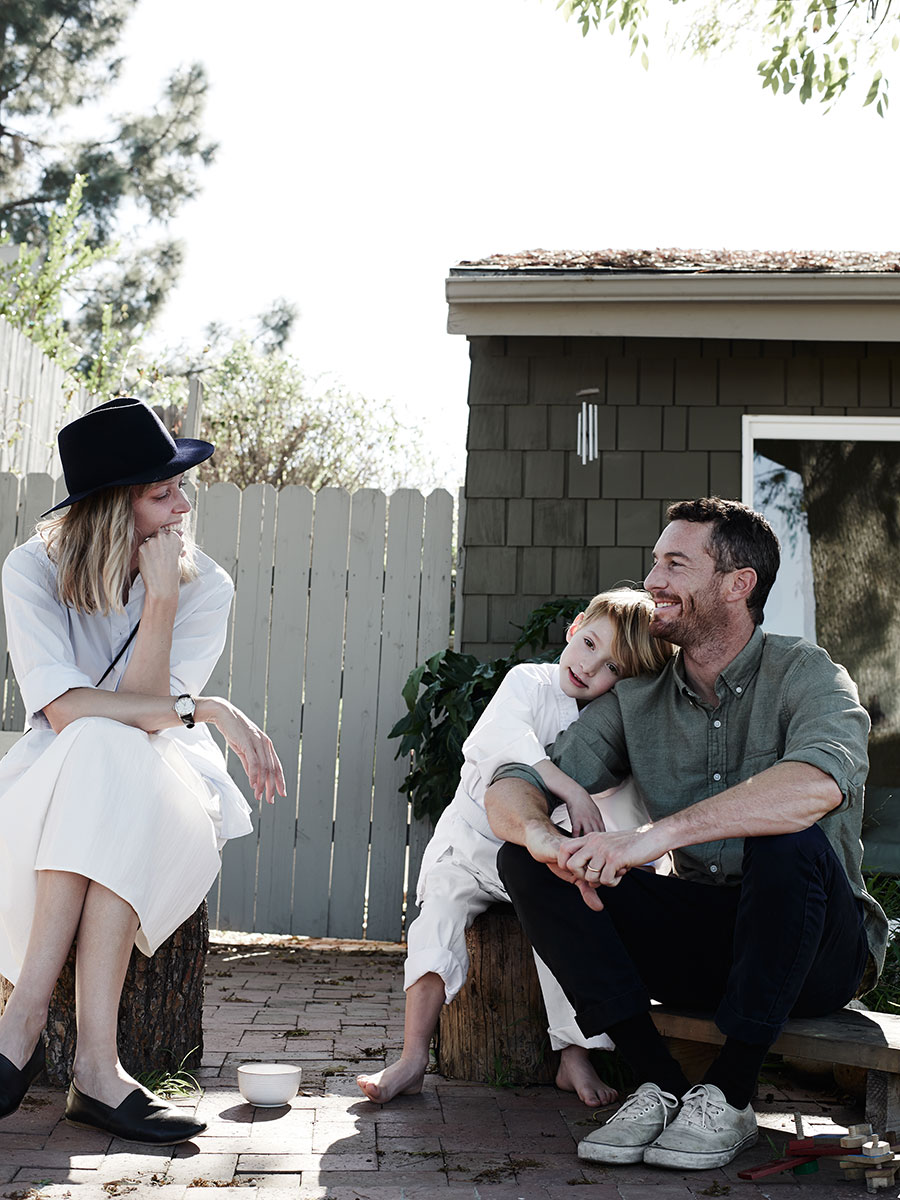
(826, 306)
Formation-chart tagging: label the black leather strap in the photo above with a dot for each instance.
(127, 643)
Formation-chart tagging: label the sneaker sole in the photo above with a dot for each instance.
(660, 1156)
(600, 1152)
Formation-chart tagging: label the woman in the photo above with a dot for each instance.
(115, 805)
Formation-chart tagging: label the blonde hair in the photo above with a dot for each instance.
(91, 544)
(630, 610)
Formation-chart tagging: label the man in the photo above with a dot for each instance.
(750, 750)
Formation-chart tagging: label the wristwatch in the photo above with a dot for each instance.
(184, 706)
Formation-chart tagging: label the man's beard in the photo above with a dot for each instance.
(700, 621)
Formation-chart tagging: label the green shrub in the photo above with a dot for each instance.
(885, 995)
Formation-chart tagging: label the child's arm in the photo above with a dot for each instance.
(583, 811)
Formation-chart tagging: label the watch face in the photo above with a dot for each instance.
(184, 706)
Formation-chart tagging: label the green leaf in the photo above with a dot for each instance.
(873, 90)
(411, 687)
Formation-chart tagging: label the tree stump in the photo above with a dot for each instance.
(495, 1031)
(161, 1013)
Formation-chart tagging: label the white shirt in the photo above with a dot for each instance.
(54, 648)
(527, 712)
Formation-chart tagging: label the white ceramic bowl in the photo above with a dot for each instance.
(268, 1085)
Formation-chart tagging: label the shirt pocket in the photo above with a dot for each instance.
(752, 764)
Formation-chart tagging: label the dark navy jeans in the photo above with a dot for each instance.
(788, 940)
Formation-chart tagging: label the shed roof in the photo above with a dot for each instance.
(690, 261)
(840, 295)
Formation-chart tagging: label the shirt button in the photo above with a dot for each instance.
(717, 724)
(717, 777)
(713, 868)
(738, 690)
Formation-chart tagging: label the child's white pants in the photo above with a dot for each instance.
(453, 891)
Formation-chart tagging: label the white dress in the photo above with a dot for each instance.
(143, 814)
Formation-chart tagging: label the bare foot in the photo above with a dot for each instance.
(404, 1077)
(576, 1074)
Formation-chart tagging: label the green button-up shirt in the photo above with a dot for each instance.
(780, 700)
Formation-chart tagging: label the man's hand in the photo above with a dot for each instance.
(601, 859)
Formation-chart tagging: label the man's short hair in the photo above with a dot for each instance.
(739, 538)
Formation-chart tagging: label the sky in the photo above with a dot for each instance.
(367, 147)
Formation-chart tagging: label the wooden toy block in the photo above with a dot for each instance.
(820, 1148)
(775, 1167)
(880, 1179)
(876, 1148)
(854, 1140)
(859, 1130)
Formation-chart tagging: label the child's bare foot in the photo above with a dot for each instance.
(404, 1077)
(576, 1074)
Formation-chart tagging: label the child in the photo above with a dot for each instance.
(458, 879)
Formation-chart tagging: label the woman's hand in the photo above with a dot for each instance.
(158, 564)
(249, 743)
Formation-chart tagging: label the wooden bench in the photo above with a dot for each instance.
(851, 1037)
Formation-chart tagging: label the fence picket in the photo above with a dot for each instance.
(287, 653)
(434, 635)
(249, 661)
(398, 657)
(218, 524)
(36, 398)
(356, 757)
(9, 504)
(321, 700)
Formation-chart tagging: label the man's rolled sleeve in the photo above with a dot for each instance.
(827, 726)
(530, 775)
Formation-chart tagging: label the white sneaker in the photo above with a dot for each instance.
(708, 1132)
(640, 1120)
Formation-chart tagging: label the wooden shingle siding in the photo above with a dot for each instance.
(669, 427)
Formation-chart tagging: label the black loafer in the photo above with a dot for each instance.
(141, 1117)
(15, 1081)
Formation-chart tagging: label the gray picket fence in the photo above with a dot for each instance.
(337, 597)
(36, 398)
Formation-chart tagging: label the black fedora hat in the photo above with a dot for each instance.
(119, 443)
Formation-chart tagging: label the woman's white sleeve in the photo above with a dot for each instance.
(505, 731)
(41, 650)
(201, 627)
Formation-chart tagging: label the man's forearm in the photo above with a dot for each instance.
(517, 812)
(785, 798)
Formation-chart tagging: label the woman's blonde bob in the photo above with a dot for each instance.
(630, 610)
(92, 543)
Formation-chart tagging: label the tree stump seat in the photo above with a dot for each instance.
(160, 1015)
(495, 1031)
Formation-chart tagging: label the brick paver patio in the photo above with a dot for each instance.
(336, 1008)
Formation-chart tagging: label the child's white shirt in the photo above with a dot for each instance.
(525, 715)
